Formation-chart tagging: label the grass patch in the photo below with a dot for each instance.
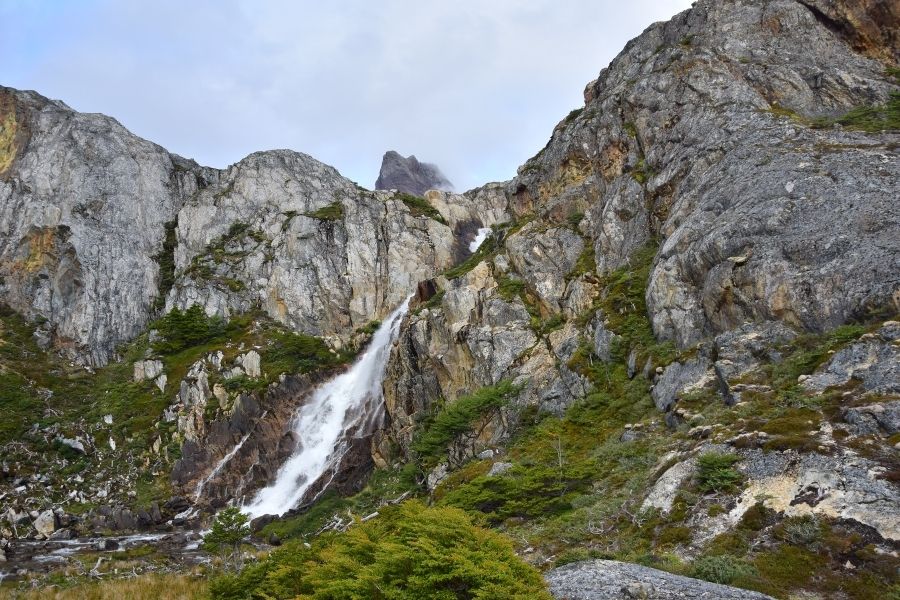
(330, 212)
(872, 119)
(510, 288)
(142, 587)
(586, 263)
(419, 207)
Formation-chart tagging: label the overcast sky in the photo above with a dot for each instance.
(475, 86)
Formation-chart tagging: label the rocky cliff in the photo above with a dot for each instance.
(101, 230)
(676, 342)
(407, 174)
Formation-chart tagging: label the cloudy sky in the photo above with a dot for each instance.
(475, 86)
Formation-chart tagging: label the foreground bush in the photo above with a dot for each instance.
(408, 552)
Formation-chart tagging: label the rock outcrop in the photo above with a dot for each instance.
(699, 134)
(407, 174)
(613, 580)
(698, 137)
(100, 229)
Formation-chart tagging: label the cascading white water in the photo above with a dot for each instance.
(350, 401)
(480, 236)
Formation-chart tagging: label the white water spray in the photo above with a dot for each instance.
(350, 401)
(482, 235)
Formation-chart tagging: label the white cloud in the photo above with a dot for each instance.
(475, 86)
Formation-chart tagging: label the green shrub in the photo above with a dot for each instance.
(183, 328)
(509, 288)
(714, 472)
(228, 533)
(458, 418)
(673, 535)
(586, 263)
(723, 569)
(408, 551)
(800, 531)
(869, 118)
(294, 352)
(370, 327)
(528, 492)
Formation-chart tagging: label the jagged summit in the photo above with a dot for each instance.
(409, 175)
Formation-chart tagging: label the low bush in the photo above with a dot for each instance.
(408, 551)
(183, 328)
(723, 569)
(457, 418)
(714, 472)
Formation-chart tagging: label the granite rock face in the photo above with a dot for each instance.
(613, 580)
(696, 142)
(101, 230)
(407, 174)
(83, 210)
(283, 232)
(698, 134)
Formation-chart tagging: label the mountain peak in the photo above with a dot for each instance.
(409, 175)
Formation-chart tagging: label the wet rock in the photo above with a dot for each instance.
(613, 580)
(62, 534)
(178, 504)
(106, 545)
(258, 523)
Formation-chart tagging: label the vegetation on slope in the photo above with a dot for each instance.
(409, 551)
(47, 398)
(420, 207)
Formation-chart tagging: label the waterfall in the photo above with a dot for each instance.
(349, 402)
(480, 236)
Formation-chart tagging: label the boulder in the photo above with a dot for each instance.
(45, 523)
(147, 369)
(679, 378)
(613, 580)
(250, 363)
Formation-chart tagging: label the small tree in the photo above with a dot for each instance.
(229, 531)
